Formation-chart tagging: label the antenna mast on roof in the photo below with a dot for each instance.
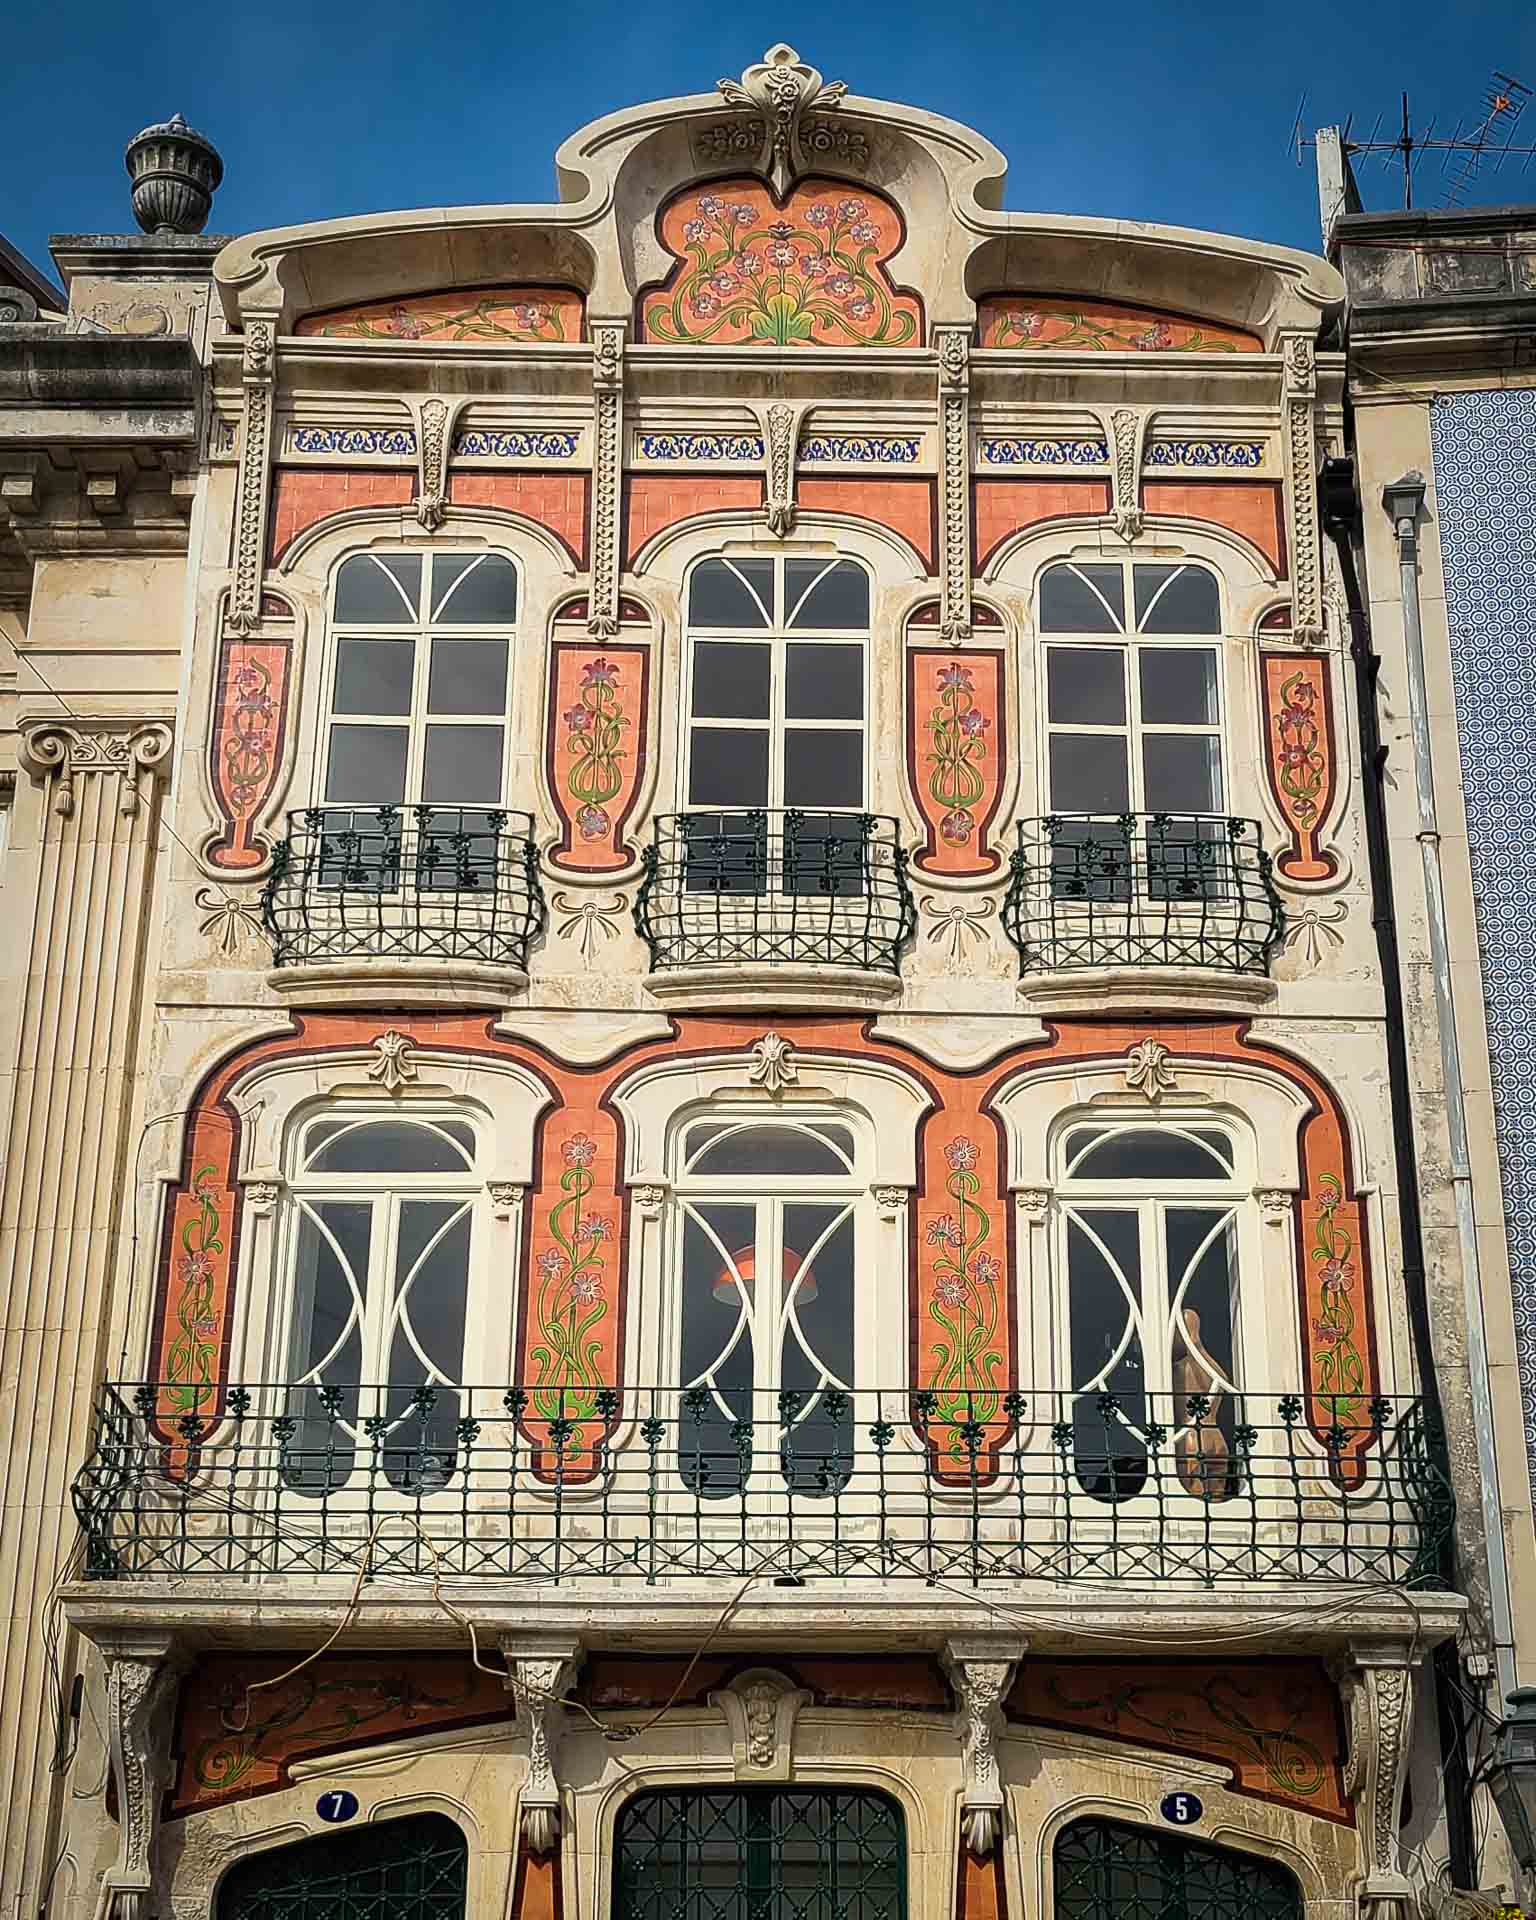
(1490, 139)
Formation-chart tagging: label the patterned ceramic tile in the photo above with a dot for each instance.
(868, 449)
(478, 443)
(1485, 482)
(701, 446)
(1205, 453)
(1009, 451)
(398, 441)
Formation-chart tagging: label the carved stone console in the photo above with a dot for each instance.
(981, 1669)
(1377, 1684)
(141, 1675)
(538, 1674)
(760, 1708)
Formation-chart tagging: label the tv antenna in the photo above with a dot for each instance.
(1490, 139)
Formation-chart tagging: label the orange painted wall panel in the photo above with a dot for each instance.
(1251, 508)
(300, 500)
(907, 507)
(1002, 507)
(656, 500)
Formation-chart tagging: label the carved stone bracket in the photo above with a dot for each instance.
(1125, 428)
(262, 1194)
(954, 346)
(607, 475)
(506, 1197)
(258, 374)
(136, 751)
(1277, 1205)
(1034, 1205)
(1147, 1070)
(538, 1675)
(780, 89)
(981, 1668)
(141, 1675)
(890, 1202)
(760, 1707)
(1305, 533)
(650, 1196)
(780, 426)
(1377, 1684)
(434, 417)
(774, 1066)
(395, 1064)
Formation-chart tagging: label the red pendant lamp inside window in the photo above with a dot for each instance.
(801, 1280)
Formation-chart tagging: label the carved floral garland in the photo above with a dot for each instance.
(956, 730)
(594, 734)
(965, 1278)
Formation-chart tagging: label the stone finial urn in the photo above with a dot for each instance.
(175, 172)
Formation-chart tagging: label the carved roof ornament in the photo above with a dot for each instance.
(781, 89)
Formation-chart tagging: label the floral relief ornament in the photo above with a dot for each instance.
(1147, 1070)
(780, 89)
(587, 921)
(225, 919)
(959, 925)
(395, 1066)
(773, 1066)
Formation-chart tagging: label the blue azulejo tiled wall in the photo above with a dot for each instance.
(1485, 486)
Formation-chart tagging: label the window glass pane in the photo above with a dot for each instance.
(727, 767)
(1089, 773)
(327, 1267)
(374, 676)
(474, 588)
(1183, 772)
(1178, 686)
(463, 765)
(1202, 1294)
(1177, 600)
(1149, 1153)
(816, 595)
(816, 1344)
(392, 1146)
(737, 593)
(716, 1348)
(1085, 599)
(467, 676)
(1086, 686)
(429, 1313)
(823, 769)
(730, 680)
(1104, 1289)
(824, 682)
(378, 588)
(757, 1152)
(367, 766)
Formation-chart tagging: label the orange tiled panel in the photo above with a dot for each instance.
(656, 500)
(907, 507)
(1247, 507)
(983, 1891)
(555, 500)
(1002, 507)
(473, 316)
(1037, 323)
(299, 500)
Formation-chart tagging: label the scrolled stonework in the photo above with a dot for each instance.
(780, 425)
(141, 1675)
(434, 437)
(1033, 1203)
(1125, 428)
(1376, 1681)
(650, 1196)
(136, 751)
(780, 89)
(257, 374)
(954, 349)
(1305, 534)
(981, 1669)
(506, 1196)
(760, 1707)
(395, 1066)
(538, 1680)
(773, 1064)
(262, 1196)
(607, 476)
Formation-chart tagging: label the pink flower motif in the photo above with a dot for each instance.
(1296, 716)
(749, 264)
(595, 1231)
(579, 1150)
(780, 253)
(849, 209)
(860, 309)
(586, 1287)
(529, 316)
(840, 285)
(953, 676)
(1335, 1276)
(974, 723)
(205, 1329)
(956, 827)
(724, 282)
(694, 230)
(599, 673)
(551, 1261)
(248, 682)
(985, 1270)
(577, 719)
(814, 265)
(866, 232)
(1030, 325)
(949, 1290)
(1326, 1336)
(704, 303)
(592, 823)
(405, 326)
(945, 1232)
(195, 1268)
(820, 215)
(1157, 335)
(745, 216)
(961, 1155)
(710, 204)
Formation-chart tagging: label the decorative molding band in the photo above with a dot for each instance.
(135, 750)
(954, 398)
(607, 474)
(385, 442)
(709, 447)
(1204, 453)
(490, 443)
(1007, 450)
(258, 373)
(1305, 540)
(861, 449)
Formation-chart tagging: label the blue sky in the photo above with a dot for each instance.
(1163, 112)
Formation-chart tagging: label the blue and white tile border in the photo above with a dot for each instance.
(1012, 450)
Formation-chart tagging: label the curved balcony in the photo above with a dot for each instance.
(427, 903)
(812, 905)
(1142, 912)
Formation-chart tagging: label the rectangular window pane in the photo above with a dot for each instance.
(463, 765)
(816, 595)
(366, 766)
(1176, 600)
(823, 769)
(467, 676)
(1183, 773)
(728, 767)
(374, 676)
(1178, 686)
(736, 593)
(1086, 599)
(470, 589)
(1089, 773)
(370, 588)
(824, 682)
(730, 681)
(1085, 686)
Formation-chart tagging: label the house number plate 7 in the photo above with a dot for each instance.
(336, 1806)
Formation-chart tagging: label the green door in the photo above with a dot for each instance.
(415, 1869)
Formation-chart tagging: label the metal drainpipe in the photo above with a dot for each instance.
(1404, 501)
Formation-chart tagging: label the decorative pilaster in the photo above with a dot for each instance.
(1304, 535)
(954, 345)
(1377, 1684)
(141, 1686)
(1125, 428)
(607, 474)
(60, 754)
(981, 1668)
(538, 1675)
(258, 374)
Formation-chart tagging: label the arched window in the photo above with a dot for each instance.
(1150, 1224)
(769, 1314)
(760, 1853)
(380, 1243)
(412, 1869)
(1107, 1870)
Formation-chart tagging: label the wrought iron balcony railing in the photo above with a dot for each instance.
(426, 883)
(1142, 890)
(776, 885)
(551, 1484)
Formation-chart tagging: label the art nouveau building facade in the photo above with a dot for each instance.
(693, 1029)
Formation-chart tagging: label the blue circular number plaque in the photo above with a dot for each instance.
(340, 1805)
(1181, 1809)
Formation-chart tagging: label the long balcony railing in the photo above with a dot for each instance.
(425, 883)
(1142, 890)
(654, 1484)
(776, 885)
